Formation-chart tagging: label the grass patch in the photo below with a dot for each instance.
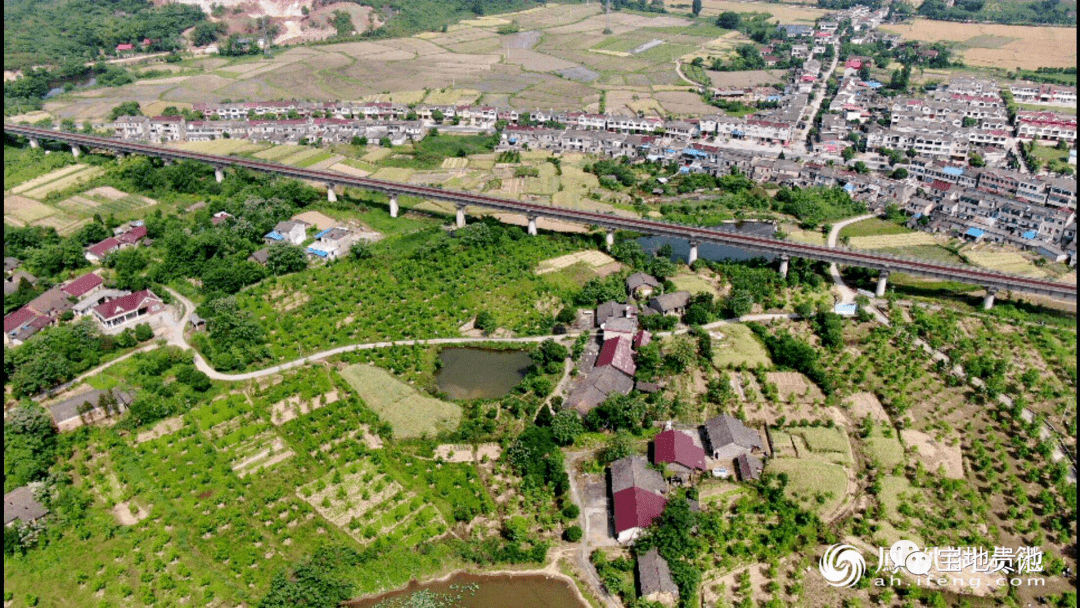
(818, 486)
(888, 451)
(873, 227)
(694, 284)
(738, 348)
(829, 443)
(408, 412)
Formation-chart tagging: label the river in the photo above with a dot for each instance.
(680, 248)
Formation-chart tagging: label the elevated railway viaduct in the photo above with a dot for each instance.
(991, 281)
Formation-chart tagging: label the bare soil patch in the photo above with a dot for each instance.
(934, 454)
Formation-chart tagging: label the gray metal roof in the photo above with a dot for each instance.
(654, 574)
(635, 472)
(20, 504)
(726, 430)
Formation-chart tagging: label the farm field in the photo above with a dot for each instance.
(1004, 261)
(996, 45)
(564, 63)
(408, 412)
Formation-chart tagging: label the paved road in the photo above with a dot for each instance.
(847, 294)
(800, 139)
(591, 576)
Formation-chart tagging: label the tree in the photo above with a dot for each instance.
(485, 321)
(899, 173)
(143, 332)
(342, 22)
(360, 251)
(573, 533)
(207, 33)
(359, 142)
(696, 7)
(729, 20)
(619, 446)
(283, 258)
(566, 426)
(29, 445)
(128, 108)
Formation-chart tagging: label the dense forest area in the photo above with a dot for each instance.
(1043, 12)
(53, 32)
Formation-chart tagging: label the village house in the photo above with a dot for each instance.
(641, 285)
(21, 506)
(219, 217)
(85, 285)
(132, 307)
(617, 353)
(654, 579)
(681, 451)
(88, 407)
(290, 231)
(613, 310)
(96, 253)
(674, 303)
(88, 303)
(332, 243)
(260, 256)
(728, 439)
(13, 280)
(637, 496)
(597, 386)
(22, 323)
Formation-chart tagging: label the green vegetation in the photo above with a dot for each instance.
(24, 164)
(409, 413)
(60, 31)
(1042, 12)
(429, 152)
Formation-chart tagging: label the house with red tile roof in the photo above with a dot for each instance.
(82, 286)
(121, 311)
(20, 324)
(97, 252)
(120, 48)
(617, 353)
(637, 492)
(130, 238)
(680, 450)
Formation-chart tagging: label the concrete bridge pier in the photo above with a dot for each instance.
(393, 205)
(167, 161)
(609, 239)
(882, 283)
(784, 259)
(331, 196)
(988, 301)
(219, 174)
(692, 257)
(532, 225)
(460, 219)
(34, 143)
(76, 151)
(121, 155)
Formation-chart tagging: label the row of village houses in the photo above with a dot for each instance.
(86, 295)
